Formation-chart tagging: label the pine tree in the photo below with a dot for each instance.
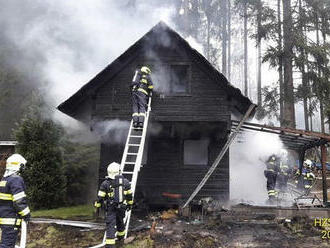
(38, 141)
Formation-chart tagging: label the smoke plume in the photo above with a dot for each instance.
(247, 164)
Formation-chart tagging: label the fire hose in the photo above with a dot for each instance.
(22, 243)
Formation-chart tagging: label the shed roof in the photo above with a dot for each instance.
(293, 139)
(71, 105)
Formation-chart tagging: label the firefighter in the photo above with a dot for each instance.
(141, 87)
(284, 171)
(271, 174)
(13, 202)
(115, 196)
(308, 175)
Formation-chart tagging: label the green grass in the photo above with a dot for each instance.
(76, 212)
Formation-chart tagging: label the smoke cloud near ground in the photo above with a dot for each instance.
(247, 164)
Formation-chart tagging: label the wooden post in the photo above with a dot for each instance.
(324, 174)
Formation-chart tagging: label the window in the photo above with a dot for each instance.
(196, 152)
(179, 77)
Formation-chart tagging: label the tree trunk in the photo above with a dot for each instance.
(208, 40)
(224, 35)
(319, 73)
(259, 52)
(288, 104)
(280, 59)
(245, 51)
(302, 67)
(229, 40)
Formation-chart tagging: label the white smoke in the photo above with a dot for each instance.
(69, 42)
(247, 164)
(112, 131)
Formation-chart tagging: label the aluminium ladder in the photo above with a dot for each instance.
(133, 154)
(131, 161)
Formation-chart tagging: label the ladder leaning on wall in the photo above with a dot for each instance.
(133, 154)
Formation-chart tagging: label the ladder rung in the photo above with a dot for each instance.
(135, 136)
(132, 153)
(137, 128)
(128, 172)
(129, 163)
(133, 144)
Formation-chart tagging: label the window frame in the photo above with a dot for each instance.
(188, 85)
(191, 166)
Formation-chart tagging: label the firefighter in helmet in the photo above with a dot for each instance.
(141, 87)
(13, 202)
(115, 196)
(271, 175)
(308, 175)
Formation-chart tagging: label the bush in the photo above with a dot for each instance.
(38, 141)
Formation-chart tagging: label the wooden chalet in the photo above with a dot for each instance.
(190, 119)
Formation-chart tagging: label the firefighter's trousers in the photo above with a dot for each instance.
(8, 236)
(114, 223)
(271, 182)
(140, 106)
(282, 181)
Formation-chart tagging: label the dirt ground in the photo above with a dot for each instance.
(166, 229)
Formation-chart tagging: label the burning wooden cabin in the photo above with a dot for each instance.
(190, 120)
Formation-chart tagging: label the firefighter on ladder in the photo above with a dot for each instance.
(141, 87)
(271, 174)
(115, 196)
(13, 202)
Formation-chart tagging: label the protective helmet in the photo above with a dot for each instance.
(14, 163)
(308, 163)
(113, 170)
(145, 70)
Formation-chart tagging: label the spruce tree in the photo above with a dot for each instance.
(38, 141)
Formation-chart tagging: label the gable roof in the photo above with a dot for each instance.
(71, 105)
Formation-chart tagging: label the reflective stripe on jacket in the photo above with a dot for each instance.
(13, 202)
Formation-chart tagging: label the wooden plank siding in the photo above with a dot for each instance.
(205, 100)
(165, 171)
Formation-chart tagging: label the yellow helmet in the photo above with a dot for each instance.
(145, 70)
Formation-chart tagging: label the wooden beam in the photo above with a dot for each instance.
(324, 174)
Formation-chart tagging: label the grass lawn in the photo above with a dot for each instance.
(75, 212)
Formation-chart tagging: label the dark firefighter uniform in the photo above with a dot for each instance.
(13, 208)
(308, 178)
(271, 175)
(142, 87)
(283, 176)
(115, 196)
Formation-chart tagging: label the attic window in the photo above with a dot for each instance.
(179, 78)
(196, 152)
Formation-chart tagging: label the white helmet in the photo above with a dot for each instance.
(308, 163)
(14, 163)
(113, 170)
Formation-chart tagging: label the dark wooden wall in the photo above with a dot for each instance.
(205, 101)
(165, 170)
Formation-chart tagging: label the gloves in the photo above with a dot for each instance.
(97, 204)
(26, 218)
